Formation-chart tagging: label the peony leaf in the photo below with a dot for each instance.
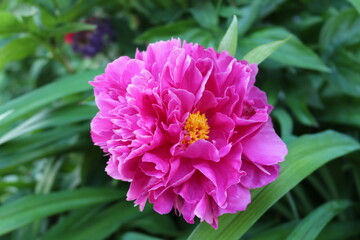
(260, 53)
(334, 230)
(356, 4)
(36, 99)
(107, 221)
(294, 53)
(45, 119)
(17, 49)
(313, 224)
(41, 145)
(71, 28)
(9, 24)
(306, 154)
(34, 207)
(229, 41)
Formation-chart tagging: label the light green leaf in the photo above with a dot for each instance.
(306, 154)
(293, 53)
(260, 53)
(356, 4)
(34, 207)
(9, 24)
(41, 97)
(59, 117)
(229, 41)
(17, 49)
(310, 227)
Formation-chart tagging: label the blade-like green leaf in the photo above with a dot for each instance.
(35, 207)
(310, 227)
(59, 117)
(333, 231)
(41, 145)
(10, 24)
(229, 41)
(43, 96)
(260, 53)
(17, 49)
(356, 4)
(100, 225)
(306, 154)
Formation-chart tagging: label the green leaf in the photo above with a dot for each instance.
(286, 124)
(356, 4)
(342, 111)
(185, 30)
(306, 154)
(260, 53)
(249, 15)
(333, 231)
(297, 104)
(165, 32)
(35, 207)
(27, 103)
(138, 236)
(9, 24)
(45, 119)
(294, 53)
(340, 230)
(99, 226)
(339, 30)
(311, 225)
(71, 28)
(39, 146)
(230, 39)
(276, 233)
(205, 15)
(17, 49)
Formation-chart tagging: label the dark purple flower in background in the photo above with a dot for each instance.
(89, 43)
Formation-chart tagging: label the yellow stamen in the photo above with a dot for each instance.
(196, 127)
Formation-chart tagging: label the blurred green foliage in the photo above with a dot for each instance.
(52, 182)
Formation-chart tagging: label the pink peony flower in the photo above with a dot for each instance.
(187, 128)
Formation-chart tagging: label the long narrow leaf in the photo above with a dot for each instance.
(310, 227)
(260, 53)
(306, 154)
(107, 221)
(43, 96)
(229, 41)
(35, 207)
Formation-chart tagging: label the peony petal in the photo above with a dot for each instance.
(257, 175)
(202, 149)
(265, 147)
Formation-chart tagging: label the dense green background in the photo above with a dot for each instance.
(52, 179)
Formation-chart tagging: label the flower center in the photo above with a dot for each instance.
(196, 128)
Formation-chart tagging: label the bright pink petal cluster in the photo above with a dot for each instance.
(145, 105)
